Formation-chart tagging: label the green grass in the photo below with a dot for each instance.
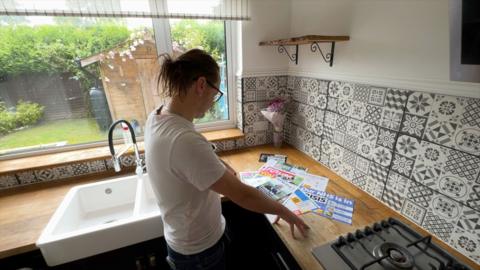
(73, 131)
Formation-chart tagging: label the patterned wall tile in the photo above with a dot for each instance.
(413, 211)
(452, 121)
(413, 125)
(27, 177)
(98, 166)
(377, 96)
(125, 161)
(361, 92)
(438, 226)
(386, 138)
(249, 84)
(468, 139)
(46, 174)
(445, 207)
(466, 242)
(396, 189)
(408, 146)
(391, 119)
(8, 181)
(450, 172)
(420, 194)
(396, 99)
(420, 103)
(402, 165)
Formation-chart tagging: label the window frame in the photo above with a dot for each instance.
(163, 40)
(162, 34)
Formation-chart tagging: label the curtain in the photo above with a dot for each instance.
(192, 9)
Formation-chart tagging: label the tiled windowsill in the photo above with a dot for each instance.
(95, 153)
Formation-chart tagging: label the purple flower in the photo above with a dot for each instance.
(277, 105)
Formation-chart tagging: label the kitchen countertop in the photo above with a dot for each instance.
(24, 212)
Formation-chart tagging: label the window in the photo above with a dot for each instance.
(63, 80)
(208, 35)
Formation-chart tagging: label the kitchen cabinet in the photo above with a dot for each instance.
(254, 245)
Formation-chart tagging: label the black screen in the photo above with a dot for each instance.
(471, 32)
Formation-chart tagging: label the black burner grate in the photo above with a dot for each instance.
(391, 255)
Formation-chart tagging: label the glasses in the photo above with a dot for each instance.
(219, 95)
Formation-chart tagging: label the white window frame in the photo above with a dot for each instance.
(163, 40)
(161, 28)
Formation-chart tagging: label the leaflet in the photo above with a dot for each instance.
(299, 203)
(275, 189)
(330, 205)
(275, 173)
(253, 178)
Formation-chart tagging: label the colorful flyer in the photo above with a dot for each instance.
(275, 173)
(253, 179)
(299, 203)
(331, 206)
(286, 167)
(275, 189)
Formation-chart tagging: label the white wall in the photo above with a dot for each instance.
(395, 43)
(270, 19)
(401, 43)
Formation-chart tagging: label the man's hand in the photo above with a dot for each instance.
(254, 200)
(294, 221)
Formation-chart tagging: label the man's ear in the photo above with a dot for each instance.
(200, 85)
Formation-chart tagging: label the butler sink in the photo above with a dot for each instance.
(99, 217)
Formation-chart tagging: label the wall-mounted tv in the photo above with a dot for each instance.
(465, 40)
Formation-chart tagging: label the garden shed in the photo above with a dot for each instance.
(128, 74)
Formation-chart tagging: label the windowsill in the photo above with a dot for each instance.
(94, 153)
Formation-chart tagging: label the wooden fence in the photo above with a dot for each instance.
(59, 93)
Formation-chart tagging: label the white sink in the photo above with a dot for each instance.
(99, 217)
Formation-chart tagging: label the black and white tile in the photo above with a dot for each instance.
(418, 152)
(452, 121)
(420, 103)
(402, 165)
(27, 177)
(46, 174)
(396, 189)
(413, 125)
(466, 242)
(413, 211)
(8, 181)
(438, 226)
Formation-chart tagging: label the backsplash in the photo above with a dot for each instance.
(86, 168)
(417, 152)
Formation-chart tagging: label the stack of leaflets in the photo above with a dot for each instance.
(298, 190)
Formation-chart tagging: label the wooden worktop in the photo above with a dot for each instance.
(25, 212)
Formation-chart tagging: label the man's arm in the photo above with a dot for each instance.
(229, 168)
(254, 200)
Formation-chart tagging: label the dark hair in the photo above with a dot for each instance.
(177, 75)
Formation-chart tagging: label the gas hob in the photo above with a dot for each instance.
(389, 244)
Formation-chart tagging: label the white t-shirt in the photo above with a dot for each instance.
(182, 165)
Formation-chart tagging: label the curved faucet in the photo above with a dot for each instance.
(116, 157)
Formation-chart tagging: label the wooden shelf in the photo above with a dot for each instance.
(304, 40)
(313, 40)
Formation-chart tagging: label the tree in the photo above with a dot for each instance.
(208, 35)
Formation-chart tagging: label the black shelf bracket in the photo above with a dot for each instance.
(293, 57)
(328, 57)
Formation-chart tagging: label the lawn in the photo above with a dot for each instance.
(73, 131)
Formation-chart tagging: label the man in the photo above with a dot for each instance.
(187, 175)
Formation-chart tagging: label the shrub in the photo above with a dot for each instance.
(7, 121)
(28, 113)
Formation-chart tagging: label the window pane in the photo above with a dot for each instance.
(208, 35)
(64, 80)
